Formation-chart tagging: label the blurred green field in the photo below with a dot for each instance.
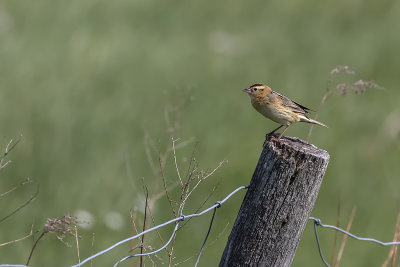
(86, 81)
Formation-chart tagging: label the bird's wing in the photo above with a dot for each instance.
(296, 107)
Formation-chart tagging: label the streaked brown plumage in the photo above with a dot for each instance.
(278, 107)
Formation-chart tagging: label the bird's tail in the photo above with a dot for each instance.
(305, 119)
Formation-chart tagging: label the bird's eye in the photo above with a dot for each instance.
(255, 89)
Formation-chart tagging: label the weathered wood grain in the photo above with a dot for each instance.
(277, 205)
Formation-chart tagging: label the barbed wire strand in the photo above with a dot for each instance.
(180, 218)
(208, 233)
(317, 222)
(152, 252)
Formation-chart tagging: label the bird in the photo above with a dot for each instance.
(278, 108)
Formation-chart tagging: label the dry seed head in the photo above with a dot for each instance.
(61, 226)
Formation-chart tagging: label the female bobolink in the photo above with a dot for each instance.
(277, 107)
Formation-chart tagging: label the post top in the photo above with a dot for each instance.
(297, 145)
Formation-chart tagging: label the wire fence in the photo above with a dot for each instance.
(218, 204)
(176, 220)
(317, 222)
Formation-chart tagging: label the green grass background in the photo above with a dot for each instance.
(84, 81)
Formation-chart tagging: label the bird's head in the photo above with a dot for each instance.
(258, 90)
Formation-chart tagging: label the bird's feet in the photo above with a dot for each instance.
(270, 136)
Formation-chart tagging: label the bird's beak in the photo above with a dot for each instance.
(247, 90)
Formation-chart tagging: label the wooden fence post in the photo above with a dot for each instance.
(277, 205)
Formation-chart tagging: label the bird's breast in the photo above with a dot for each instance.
(275, 112)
